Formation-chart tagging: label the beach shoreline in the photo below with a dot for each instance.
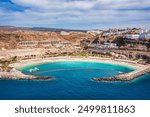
(126, 63)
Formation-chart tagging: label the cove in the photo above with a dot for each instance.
(73, 82)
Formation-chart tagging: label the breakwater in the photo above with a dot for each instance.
(17, 75)
(126, 76)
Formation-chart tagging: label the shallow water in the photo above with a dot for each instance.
(73, 82)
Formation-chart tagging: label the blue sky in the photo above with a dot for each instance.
(76, 14)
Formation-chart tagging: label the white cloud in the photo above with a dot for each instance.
(83, 4)
(79, 13)
(56, 4)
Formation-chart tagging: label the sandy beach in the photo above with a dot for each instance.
(132, 64)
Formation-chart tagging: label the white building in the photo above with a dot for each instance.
(64, 33)
(110, 45)
(105, 46)
(144, 31)
(133, 36)
(94, 32)
(144, 36)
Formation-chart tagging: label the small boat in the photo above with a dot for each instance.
(120, 72)
(33, 70)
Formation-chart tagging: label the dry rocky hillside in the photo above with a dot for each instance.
(10, 39)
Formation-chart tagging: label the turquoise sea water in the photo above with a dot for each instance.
(73, 82)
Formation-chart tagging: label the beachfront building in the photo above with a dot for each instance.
(142, 34)
(132, 36)
(110, 45)
(34, 43)
(60, 44)
(45, 43)
(115, 31)
(138, 36)
(144, 31)
(104, 46)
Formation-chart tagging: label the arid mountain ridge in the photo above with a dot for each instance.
(14, 28)
(10, 36)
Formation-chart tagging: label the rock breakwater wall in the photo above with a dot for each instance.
(127, 76)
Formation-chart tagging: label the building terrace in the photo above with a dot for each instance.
(42, 43)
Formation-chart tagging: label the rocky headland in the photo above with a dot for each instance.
(18, 75)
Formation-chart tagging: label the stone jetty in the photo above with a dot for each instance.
(126, 76)
(18, 75)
